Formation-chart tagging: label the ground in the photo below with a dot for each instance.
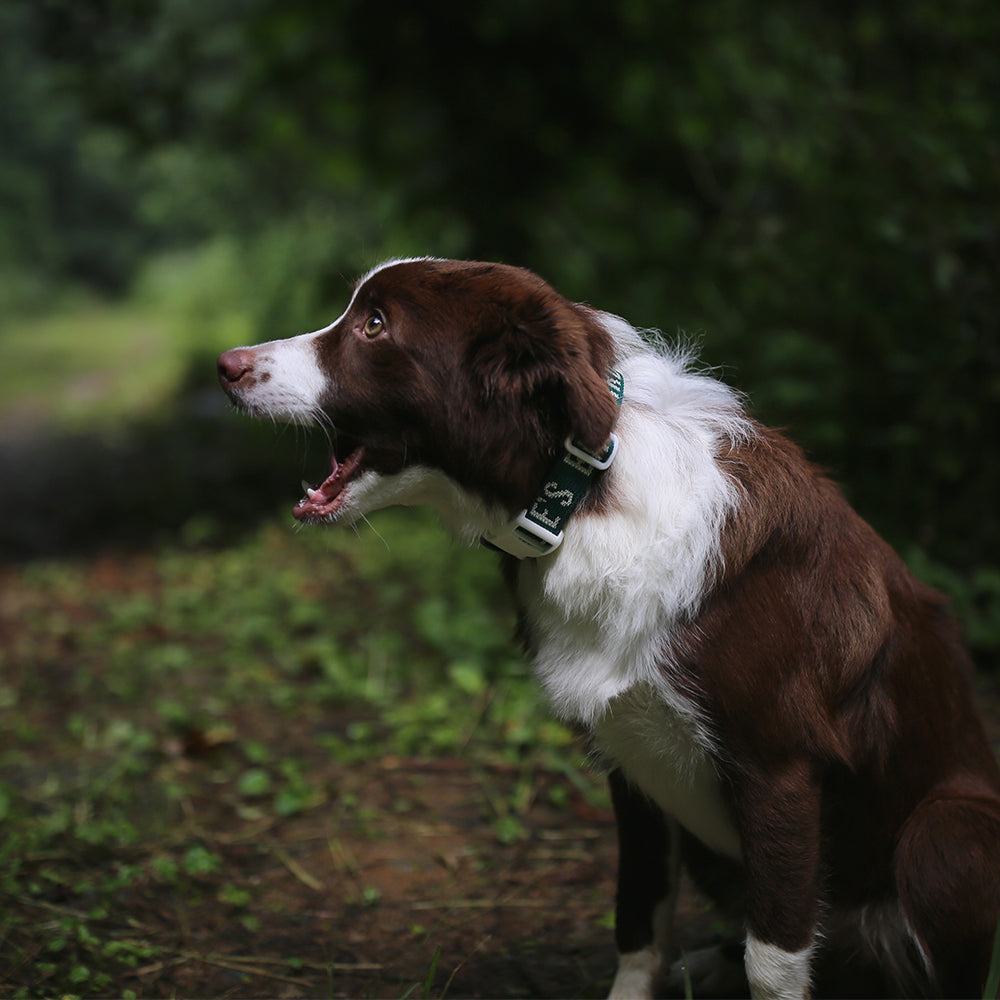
(408, 885)
(254, 850)
(397, 885)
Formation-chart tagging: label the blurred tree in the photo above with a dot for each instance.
(810, 187)
(66, 201)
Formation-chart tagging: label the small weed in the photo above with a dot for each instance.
(428, 983)
(199, 861)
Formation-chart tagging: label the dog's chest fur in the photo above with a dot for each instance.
(658, 750)
(618, 688)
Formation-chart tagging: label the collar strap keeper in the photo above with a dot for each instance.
(538, 530)
(601, 461)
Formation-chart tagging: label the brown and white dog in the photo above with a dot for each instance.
(769, 685)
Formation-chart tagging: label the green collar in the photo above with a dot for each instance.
(538, 530)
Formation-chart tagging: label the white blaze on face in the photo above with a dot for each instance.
(289, 383)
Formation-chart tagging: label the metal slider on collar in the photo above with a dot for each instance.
(599, 462)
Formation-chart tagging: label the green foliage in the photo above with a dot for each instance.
(809, 189)
(975, 598)
(207, 679)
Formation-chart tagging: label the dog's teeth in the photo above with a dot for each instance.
(305, 486)
(310, 493)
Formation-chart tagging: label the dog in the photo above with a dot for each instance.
(776, 698)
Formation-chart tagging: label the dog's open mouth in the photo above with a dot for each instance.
(322, 502)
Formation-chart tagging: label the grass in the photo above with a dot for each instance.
(264, 661)
(79, 363)
(88, 362)
(82, 342)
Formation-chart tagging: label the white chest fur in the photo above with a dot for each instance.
(617, 686)
(657, 749)
(607, 610)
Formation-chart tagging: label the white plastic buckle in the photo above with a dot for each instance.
(599, 462)
(524, 539)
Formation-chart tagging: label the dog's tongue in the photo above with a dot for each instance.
(321, 502)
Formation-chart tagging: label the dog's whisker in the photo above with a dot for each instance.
(376, 532)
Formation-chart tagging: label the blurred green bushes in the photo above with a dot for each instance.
(810, 190)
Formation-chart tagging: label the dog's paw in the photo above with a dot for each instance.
(636, 974)
(708, 972)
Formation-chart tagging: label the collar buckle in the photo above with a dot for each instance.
(524, 539)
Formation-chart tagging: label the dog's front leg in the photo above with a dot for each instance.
(778, 816)
(648, 873)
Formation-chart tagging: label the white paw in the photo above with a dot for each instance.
(636, 973)
(776, 974)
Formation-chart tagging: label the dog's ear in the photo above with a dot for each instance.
(550, 355)
(592, 408)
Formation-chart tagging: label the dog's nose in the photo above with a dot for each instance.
(234, 364)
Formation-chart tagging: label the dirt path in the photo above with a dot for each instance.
(400, 887)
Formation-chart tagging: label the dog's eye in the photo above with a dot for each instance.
(374, 325)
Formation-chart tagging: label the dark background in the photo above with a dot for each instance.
(808, 190)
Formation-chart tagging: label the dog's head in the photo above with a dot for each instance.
(439, 374)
